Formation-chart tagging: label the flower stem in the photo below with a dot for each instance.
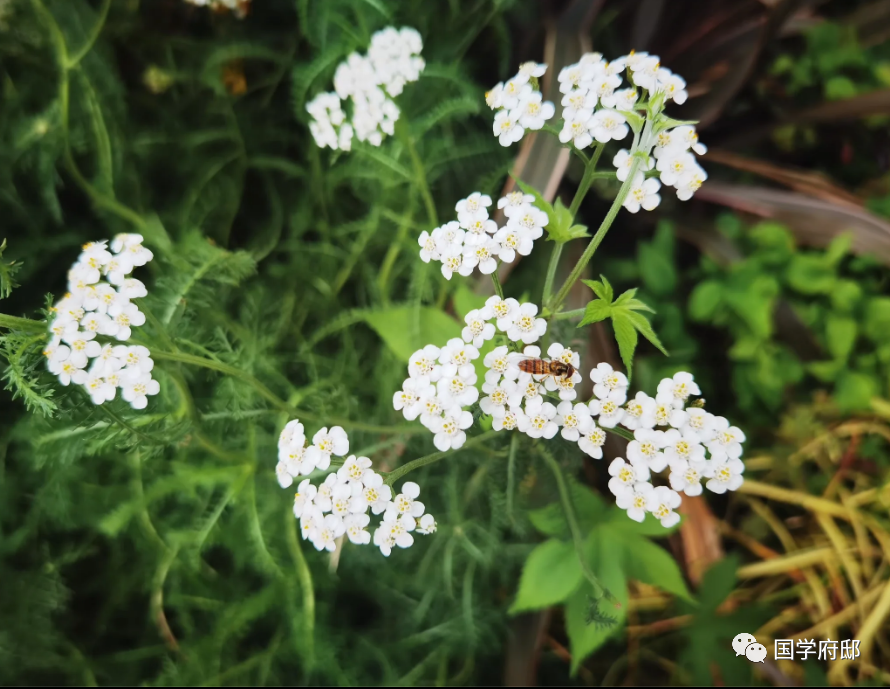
(597, 238)
(574, 313)
(551, 271)
(584, 186)
(305, 577)
(497, 283)
(396, 474)
(420, 173)
(73, 60)
(27, 324)
(598, 590)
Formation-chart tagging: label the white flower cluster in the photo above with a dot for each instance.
(93, 307)
(475, 241)
(519, 105)
(695, 445)
(340, 505)
(238, 7)
(370, 82)
(442, 381)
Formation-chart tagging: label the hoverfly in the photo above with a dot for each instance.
(543, 367)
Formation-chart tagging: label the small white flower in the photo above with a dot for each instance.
(680, 387)
(429, 248)
(529, 391)
(456, 358)
(591, 443)
(426, 525)
(513, 239)
(624, 99)
(674, 164)
(571, 77)
(727, 439)
(479, 231)
(82, 346)
(645, 74)
(293, 433)
(686, 476)
(304, 497)
(422, 364)
(526, 327)
(530, 218)
(453, 262)
(324, 444)
(448, 237)
(557, 352)
(505, 311)
(666, 414)
(674, 86)
(514, 200)
(699, 425)
(458, 390)
(639, 412)
(498, 394)
(578, 105)
(450, 434)
(136, 358)
(355, 525)
(634, 500)
(106, 363)
(330, 529)
(284, 477)
(376, 493)
(408, 399)
(643, 194)
(678, 447)
(493, 98)
(563, 385)
(406, 502)
(625, 475)
(634, 58)
(690, 183)
(578, 132)
(394, 531)
(325, 492)
(532, 69)
(499, 364)
(124, 317)
(353, 469)
(136, 389)
(609, 414)
(533, 113)
(606, 125)
(474, 207)
(346, 498)
(609, 384)
(541, 421)
(623, 161)
(646, 448)
(514, 91)
(99, 389)
(604, 86)
(574, 419)
(482, 255)
(662, 502)
(514, 418)
(310, 522)
(432, 410)
(507, 128)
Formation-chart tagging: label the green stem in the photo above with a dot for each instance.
(598, 590)
(497, 283)
(511, 475)
(305, 577)
(550, 129)
(597, 238)
(574, 313)
(419, 171)
(396, 474)
(404, 224)
(551, 271)
(91, 39)
(26, 324)
(584, 186)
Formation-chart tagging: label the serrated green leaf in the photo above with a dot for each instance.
(550, 574)
(595, 312)
(637, 305)
(645, 329)
(560, 224)
(626, 336)
(669, 123)
(601, 288)
(626, 296)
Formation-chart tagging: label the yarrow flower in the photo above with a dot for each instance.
(239, 8)
(519, 105)
(98, 303)
(474, 241)
(340, 505)
(368, 84)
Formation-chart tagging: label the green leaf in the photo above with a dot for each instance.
(589, 508)
(626, 335)
(839, 247)
(775, 243)
(645, 329)
(549, 576)
(405, 329)
(826, 371)
(854, 391)
(845, 295)
(595, 312)
(7, 274)
(877, 319)
(634, 120)
(810, 274)
(705, 300)
(601, 288)
(605, 557)
(669, 123)
(840, 333)
(560, 228)
(647, 562)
